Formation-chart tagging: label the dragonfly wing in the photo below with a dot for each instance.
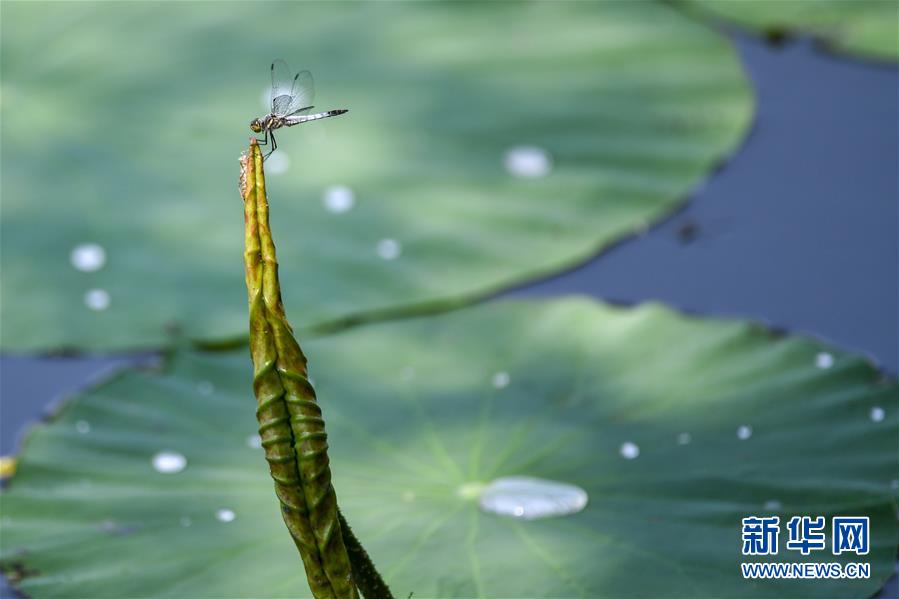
(302, 93)
(282, 83)
(290, 106)
(281, 104)
(290, 92)
(302, 111)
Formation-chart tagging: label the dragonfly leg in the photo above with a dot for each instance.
(274, 143)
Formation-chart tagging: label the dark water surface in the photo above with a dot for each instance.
(800, 229)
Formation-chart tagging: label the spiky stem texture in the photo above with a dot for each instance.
(290, 420)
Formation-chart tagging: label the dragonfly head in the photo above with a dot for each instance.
(256, 125)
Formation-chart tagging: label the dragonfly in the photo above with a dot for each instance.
(291, 103)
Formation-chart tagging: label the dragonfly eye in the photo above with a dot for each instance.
(256, 126)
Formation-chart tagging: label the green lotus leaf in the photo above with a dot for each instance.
(864, 28)
(675, 427)
(486, 144)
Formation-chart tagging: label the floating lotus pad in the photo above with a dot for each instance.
(865, 28)
(486, 144)
(675, 427)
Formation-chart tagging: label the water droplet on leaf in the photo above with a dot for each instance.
(629, 450)
(824, 360)
(338, 199)
(277, 163)
(169, 462)
(501, 380)
(88, 257)
(97, 299)
(528, 161)
(529, 498)
(225, 515)
(389, 249)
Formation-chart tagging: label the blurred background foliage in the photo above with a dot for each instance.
(123, 123)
